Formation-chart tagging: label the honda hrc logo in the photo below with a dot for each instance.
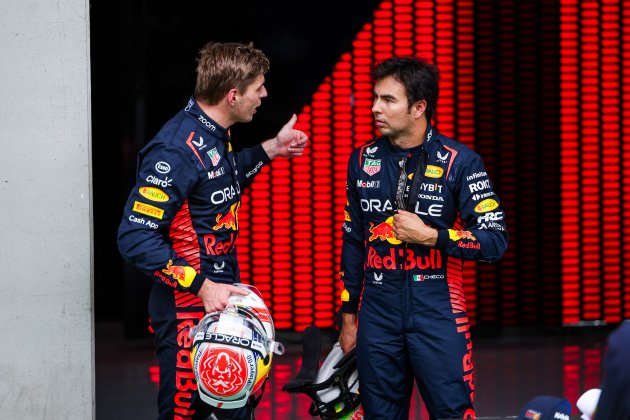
(490, 217)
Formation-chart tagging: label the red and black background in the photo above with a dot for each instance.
(541, 89)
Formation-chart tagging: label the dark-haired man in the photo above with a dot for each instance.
(418, 204)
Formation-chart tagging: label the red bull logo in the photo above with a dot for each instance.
(457, 235)
(183, 274)
(469, 245)
(214, 247)
(384, 231)
(228, 220)
(407, 260)
(184, 377)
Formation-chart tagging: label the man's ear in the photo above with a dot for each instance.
(232, 96)
(419, 108)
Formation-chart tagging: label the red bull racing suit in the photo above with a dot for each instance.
(180, 226)
(412, 321)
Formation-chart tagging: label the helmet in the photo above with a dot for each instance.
(232, 350)
(338, 386)
(332, 387)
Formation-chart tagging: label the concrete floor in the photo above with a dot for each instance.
(511, 367)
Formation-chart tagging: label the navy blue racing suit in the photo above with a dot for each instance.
(412, 321)
(179, 227)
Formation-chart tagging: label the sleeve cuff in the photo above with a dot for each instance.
(259, 154)
(349, 307)
(196, 284)
(442, 239)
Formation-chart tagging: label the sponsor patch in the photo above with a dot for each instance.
(372, 166)
(163, 167)
(199, 143)
(423, 277)
(141, 221)
(153, 194)
(384, 232)
(476, 175)
(253, 171)
(368, 184)
(216, 174)
(214, 156)
(532, 414)
(345, 296)
(148, 209)
(442, 157)
(486, 205)
(433, 171)
(183, 274)
(166, 182)
(456, 235)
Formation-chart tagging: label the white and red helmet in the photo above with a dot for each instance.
(232, 350)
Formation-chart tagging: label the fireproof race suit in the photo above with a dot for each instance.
(412, 321)
(179, 226)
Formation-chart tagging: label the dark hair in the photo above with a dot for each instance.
(224, 66)
(419, 77)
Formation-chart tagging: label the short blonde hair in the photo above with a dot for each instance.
(223, 66)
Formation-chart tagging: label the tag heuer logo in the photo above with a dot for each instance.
(214, 156)
(372, 166)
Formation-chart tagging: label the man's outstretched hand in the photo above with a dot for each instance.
(288, 143)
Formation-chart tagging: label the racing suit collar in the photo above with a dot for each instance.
(413, 150)
(205, 121)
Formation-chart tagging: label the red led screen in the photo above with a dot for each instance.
(594, 45)
(295, 262)
(537, 89)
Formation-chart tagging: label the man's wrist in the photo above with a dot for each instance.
(431, 239)
(270, 147)
(349, 319)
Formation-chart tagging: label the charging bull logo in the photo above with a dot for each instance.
(384, 231)
(457, 235)
(183, 274)
(228, 220)
(223, 371)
